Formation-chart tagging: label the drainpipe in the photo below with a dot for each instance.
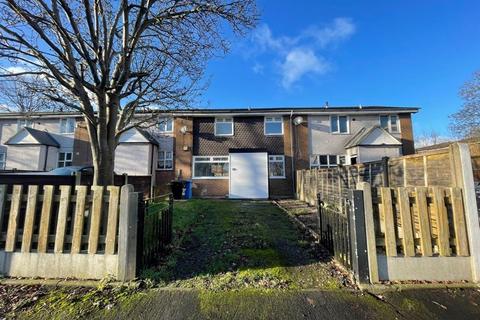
(46, 159)
(152, 171)
(294, 176)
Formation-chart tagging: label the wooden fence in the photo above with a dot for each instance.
(154, 229)
(68, 232)
(411, 233)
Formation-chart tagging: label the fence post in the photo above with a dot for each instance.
(127, 235)
(358, 238)
(463, 178)
(370, 230)
(141, 207)
(386, 179)
(3, 200)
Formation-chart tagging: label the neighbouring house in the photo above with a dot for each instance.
(234, 153)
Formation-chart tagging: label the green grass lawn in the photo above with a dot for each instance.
(220, 244)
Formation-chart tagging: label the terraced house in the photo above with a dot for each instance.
(234, 153)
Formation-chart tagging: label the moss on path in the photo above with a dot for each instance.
(241, 244)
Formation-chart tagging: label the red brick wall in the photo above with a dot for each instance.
(210, 188)
(407, 134)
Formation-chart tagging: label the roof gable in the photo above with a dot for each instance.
(32, 136)
(373, 136)
(137, 135)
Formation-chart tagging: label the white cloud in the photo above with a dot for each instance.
(258, 68)
(340, 29)
(300, 61)
(300, 55)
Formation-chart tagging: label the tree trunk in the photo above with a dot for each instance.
(103, 144)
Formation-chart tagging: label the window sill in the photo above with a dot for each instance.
(157, 169)
(273, 134)
(340, 133)
(277, 178)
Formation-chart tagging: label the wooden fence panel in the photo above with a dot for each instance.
(62, 218)
(423, 221)
(95, 219)
(78, 220)
(112, 219)
(29, 218)
(45, 218)
(13, 218)
(461, 241)
(406, 220)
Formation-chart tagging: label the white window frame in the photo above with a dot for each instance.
(276, 160)
(22, 123)
(163, 122)
(328, 165)
(390, 122)
(64, 161)
(338, 124)
(66, 120)
(165, 159)
(274, 120)
(211, 159)
(222, 120)
(3, 160)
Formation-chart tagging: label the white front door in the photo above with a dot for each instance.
(249, 175)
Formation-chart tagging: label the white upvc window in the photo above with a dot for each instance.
(273, 126)
(211, 167)
(165, 124)
(390, 123)
(224, 126)
(165, 160)
(3, 160)
(276, 167)
(67, 125)
(22, 123)
(339, 124)
(64, 159)
(326, 160)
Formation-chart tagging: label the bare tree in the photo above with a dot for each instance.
(21, 94)
(429, 138)
(465, 123)
(111, 60)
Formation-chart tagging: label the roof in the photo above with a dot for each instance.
(42, 137)
(361, 136)
(242, 111)
(446, 144)
(128, 135)
(148, 136)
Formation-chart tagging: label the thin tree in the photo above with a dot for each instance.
(465, 123)
(111, 60)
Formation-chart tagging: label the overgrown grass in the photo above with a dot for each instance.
(222, 245)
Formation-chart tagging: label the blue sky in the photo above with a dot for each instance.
(401, 53)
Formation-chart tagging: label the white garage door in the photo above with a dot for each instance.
(249, 175)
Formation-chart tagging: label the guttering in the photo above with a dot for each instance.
(285, 113)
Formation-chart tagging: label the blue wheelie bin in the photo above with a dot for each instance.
(188, 189)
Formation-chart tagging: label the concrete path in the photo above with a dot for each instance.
(305, 304)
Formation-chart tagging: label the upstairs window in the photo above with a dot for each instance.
(273, 126)
(67, 125)
(276, 167)
(165, 125)
(339, 124)
(390, 123)
(22, 123)
(64, 159)
(224, 126)
(165, 160)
